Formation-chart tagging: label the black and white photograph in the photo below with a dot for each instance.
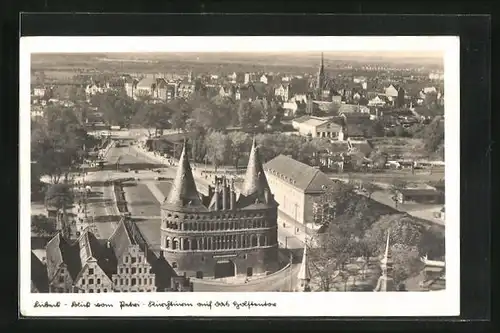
(188, 169)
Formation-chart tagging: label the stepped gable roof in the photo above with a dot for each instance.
(183, 194)
(39, 278)
(59, 251)
(255, 184)
(298, 174)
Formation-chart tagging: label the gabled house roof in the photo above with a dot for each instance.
(298, 174)
(39, 278)
(147, 82)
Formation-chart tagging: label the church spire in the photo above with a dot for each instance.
(304, 275)
(385, 281)
(255, 179)
(183, 191)
(321, 75)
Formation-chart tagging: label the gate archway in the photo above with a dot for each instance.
(224, 268)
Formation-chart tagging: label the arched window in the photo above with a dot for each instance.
(182, 226)
(242, 241)
(167, 242)
(185, 244)
(253, 240)
(175, 244)
(217, 225)
(262, 241)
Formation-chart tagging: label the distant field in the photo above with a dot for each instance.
(141, 201)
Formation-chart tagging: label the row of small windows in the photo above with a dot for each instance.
(218, 242)
(134, 270)
(133, 281)
(133, 260)
(210, 226)
(105, 290)
(216, 217)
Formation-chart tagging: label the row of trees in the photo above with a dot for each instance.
(358, 229)
(217, 113)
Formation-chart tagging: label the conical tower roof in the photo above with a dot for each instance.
(385, 281)
(183, 192)
(255, 180)
(304, 272)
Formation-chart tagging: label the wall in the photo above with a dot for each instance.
(291, 200)
(92, 279)
(62, 281)
(194, 242)
(134, 273)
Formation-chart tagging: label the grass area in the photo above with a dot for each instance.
(164, 187)
(403, 147)
(141, 201)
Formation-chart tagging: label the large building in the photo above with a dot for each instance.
(220, 234)
(123, 263)
(296, 186)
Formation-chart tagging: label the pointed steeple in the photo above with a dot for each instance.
(321, 74)
(255, 183)
(304, 275)
(385, 281)
(183, 191)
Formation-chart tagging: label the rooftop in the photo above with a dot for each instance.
(298, 174)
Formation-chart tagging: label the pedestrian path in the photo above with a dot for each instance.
(155, 191)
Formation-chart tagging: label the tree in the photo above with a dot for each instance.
(42, 226)
(396, 187)
(379, 159)
(406, 262)
(240, 144)
(59, 196)
(155, 116)
(57, 143)
(333, 109)
(248, 115)
(218, 147)
(117, 108)
(376, 129)
(369, 188)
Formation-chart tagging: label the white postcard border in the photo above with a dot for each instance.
(440, 303)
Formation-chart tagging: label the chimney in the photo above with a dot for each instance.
(232, 196)
(224, 194)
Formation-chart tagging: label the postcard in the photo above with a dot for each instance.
(239, 176)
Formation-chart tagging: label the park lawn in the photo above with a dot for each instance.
(164, 187)
(140, 201)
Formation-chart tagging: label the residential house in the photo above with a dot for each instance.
(227, 91)
(40, 91)
(250, 92)
(95, 88)
(266, 78)
(250, 77)
(320, 128)
(185, 90)
(131, 86)
(391, 92)
(133, 273)
(428, 90)
(145, 88)
(376, 102)
(283, 91)
(359, 79)
(236, 78)
(83, 266)
(296, 186)
(353, 108)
